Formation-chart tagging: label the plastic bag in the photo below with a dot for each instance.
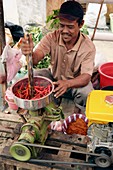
(12, 57)
(9, 94)
(2, 73)
(55, 125)
(92, 14)
(16, 30)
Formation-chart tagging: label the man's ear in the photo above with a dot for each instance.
(81, 24)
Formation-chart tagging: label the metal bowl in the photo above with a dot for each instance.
(36, 103)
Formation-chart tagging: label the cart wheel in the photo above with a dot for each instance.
(20, 152)
(103, 161)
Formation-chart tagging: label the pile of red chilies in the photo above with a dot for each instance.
(22, 91)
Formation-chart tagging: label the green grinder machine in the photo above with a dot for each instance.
(41, 113)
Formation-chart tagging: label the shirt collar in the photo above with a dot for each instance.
(76, 46)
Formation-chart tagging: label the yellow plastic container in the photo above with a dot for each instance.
(97, 109)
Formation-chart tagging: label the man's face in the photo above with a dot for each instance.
(69, 30)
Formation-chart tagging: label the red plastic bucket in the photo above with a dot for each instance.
(106, 74)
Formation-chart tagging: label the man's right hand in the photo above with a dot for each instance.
(26, 44)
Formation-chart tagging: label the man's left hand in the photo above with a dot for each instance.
(61, 87)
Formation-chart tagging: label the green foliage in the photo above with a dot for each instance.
(44, 63)
(37, 35)
(54, 22)
(84, 29)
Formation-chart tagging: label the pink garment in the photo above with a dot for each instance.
(12, 57)
(56, 125)
(9, 94)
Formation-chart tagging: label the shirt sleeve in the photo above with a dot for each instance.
(45, 44)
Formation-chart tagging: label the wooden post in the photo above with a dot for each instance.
(97, 20)
(2, 31)
(2, 45)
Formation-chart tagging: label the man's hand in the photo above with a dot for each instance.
(26, 44)
(61, 87)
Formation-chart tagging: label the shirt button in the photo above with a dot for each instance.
(64, 60)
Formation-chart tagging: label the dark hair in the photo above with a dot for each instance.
(71, 10)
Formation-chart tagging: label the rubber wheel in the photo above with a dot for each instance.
(20, 152)
(103, 161)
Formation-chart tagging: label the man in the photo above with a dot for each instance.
(72, 55)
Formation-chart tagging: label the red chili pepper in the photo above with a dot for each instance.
(22, 91)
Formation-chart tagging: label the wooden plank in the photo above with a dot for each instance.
(5, 129)
(75, 138)
(9, 167)
(58, 156)
(63, 156)
(34, 166)
(10, 117)
(22, 164)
